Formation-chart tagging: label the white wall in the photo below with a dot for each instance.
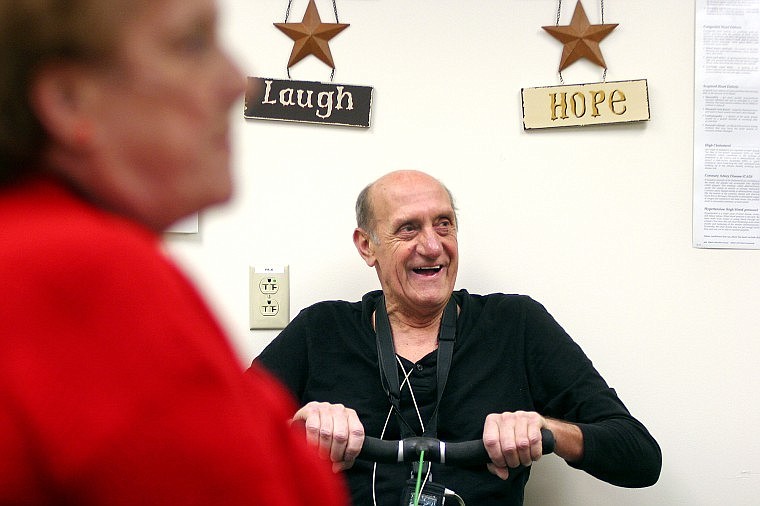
(595, 223)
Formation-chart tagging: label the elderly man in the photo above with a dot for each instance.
(513, 370)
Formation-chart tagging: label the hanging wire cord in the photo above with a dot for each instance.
(407, 382)
(604, 74)
(335, 10)
(290, 3)
(287, 15)
(559, 11)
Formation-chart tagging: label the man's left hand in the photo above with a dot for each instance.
(512, 439)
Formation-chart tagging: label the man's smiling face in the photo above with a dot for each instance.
(416, 253)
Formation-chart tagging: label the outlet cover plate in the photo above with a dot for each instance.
(269, 296)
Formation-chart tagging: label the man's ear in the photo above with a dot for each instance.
(59, 96)
(365, 246)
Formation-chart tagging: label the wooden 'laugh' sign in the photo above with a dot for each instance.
(308, 101)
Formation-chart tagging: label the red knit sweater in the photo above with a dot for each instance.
(117, 386)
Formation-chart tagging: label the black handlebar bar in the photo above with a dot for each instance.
(466, 453)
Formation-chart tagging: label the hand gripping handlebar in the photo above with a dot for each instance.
(466, 453)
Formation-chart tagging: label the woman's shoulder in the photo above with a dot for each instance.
(51, 236)
(44, 222)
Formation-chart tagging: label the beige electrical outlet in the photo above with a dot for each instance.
(269, 289)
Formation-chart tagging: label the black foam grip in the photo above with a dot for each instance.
(466, 453)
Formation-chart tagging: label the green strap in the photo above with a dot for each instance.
(419, 479)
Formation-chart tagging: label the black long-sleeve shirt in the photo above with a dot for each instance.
(510, 355)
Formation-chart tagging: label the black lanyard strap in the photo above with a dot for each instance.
(389, 376)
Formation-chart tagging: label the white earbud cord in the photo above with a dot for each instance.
(387, 418)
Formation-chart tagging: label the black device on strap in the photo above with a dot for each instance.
(389, 377)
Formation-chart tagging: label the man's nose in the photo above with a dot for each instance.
(429, 244)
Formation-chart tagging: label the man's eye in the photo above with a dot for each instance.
(444, 227)
(406, 230)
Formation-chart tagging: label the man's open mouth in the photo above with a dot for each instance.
(428, 271)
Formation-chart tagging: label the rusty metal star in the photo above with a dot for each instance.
(310, 36)
(581, 39)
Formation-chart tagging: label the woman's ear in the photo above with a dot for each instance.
(60, 98)
(365, 246)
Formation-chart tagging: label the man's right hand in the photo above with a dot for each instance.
(334, 430)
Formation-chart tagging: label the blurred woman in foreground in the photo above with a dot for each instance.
(117, 385)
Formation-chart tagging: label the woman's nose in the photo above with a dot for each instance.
(232, 79)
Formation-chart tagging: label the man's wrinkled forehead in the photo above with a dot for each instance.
(401, 203)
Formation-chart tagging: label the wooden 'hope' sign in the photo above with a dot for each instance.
(585, 104)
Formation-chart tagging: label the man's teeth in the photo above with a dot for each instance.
(428, 269)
